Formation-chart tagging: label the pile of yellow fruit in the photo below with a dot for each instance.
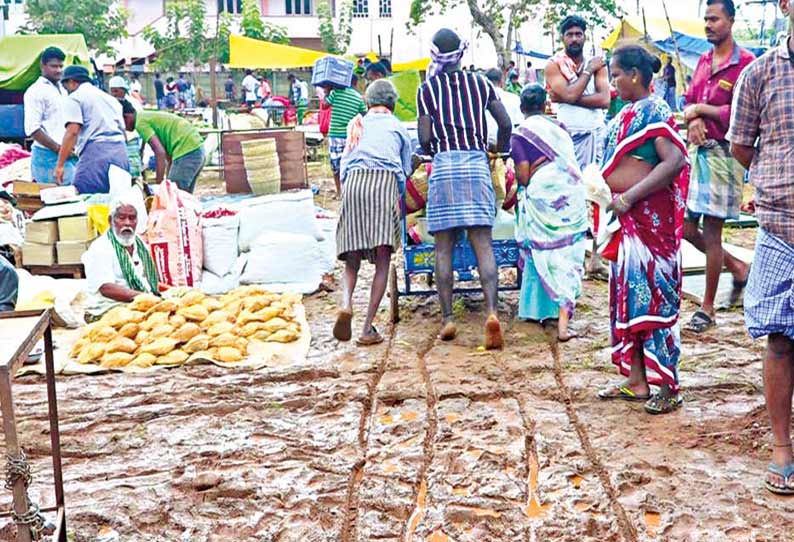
(190, 325)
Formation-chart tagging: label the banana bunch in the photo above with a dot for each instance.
(188, 325)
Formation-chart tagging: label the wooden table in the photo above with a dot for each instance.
(19, 333)
(74, 271)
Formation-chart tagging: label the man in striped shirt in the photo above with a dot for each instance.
(452, 124)
(345, 104)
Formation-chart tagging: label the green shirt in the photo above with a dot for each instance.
(515, 88)
(345, 104)
(178, 136)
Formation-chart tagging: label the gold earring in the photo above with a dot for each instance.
(634, 79)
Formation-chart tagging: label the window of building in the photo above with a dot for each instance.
(234, 7)
(298, 7)
(360, 8)
(385, 8)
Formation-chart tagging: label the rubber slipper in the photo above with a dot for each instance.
(737, 290)
(701, 322)
(342, 328)
(786, 473)
(370, 340)
(571, 335)
(624, 394)
(660, 404)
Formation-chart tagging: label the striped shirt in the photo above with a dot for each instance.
(456, 103)
(345, 104)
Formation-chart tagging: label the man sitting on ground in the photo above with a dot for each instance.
(118, 265)
(177, 145)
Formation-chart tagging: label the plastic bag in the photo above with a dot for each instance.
(174, 236)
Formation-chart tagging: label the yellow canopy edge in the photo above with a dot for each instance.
(257, 54)
(658, 29)
(420, 64)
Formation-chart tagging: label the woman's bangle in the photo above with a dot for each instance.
(623, 201)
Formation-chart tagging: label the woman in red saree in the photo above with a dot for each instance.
(646, 167)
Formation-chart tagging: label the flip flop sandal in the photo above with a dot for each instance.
(786, 473)
(370, 340)
(701, 322)
(659, 404)
(571, 336)
(624, 394)
(342, 328)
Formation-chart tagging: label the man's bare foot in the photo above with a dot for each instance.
(493, 333)
(448, 331)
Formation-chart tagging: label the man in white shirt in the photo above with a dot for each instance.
(44, 119)
(118, 265)
(511, 102)
(250, 84)
(299, 95)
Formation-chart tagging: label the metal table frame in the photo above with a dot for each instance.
(43, 328)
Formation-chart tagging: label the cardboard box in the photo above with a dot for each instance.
(26, 188)
(69, 252)
(76, 228)
(38, 254)
(44, 232)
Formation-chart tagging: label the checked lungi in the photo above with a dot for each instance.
(460, 191)
(336, 147)
(769, 296)
(716, 182)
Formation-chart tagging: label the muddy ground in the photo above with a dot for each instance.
(417, 440)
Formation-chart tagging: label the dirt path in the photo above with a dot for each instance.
(416, 440)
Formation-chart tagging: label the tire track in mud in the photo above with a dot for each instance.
(428, 448)
(626, 526)
(350, 521)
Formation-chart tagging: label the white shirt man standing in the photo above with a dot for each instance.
(44, 119)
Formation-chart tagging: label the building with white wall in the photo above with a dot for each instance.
(378, 25)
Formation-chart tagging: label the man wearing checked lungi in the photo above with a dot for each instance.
(452, 128)
(717, 180)
(762, 139)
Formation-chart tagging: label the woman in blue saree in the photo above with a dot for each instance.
(551, 215)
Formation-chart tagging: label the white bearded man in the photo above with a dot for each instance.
(118, 265)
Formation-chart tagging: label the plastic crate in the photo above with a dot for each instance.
(332, 70)
(12, 121)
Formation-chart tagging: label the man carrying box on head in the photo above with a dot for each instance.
(44, 119)
(177, 144)
(118, 265)
(95, 128)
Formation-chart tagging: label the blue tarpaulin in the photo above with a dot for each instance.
(691, 48)
(518, 49)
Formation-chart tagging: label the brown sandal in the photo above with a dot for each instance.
(343, 329)
(370, 340)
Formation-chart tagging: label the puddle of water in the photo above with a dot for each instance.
(581, 505)
(409, 416)
(474, 454)
(575, 480)
(485, 512)
(534, 509)
(418, 513)
(460, 491)
(438, 536)
(386, 419)
(652, 522)
(451, 417)
(389, 468)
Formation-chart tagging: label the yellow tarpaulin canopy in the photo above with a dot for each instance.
(419, 64)
(658, 29)
(264, 55)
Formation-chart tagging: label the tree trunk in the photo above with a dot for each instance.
(493, 31)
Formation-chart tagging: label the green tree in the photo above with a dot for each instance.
(499, 19)
(335, 40)
(253, 26)
(185, 39)
(99, 21)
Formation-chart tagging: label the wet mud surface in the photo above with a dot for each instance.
(416, 440)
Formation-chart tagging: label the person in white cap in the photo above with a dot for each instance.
(121, 91)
